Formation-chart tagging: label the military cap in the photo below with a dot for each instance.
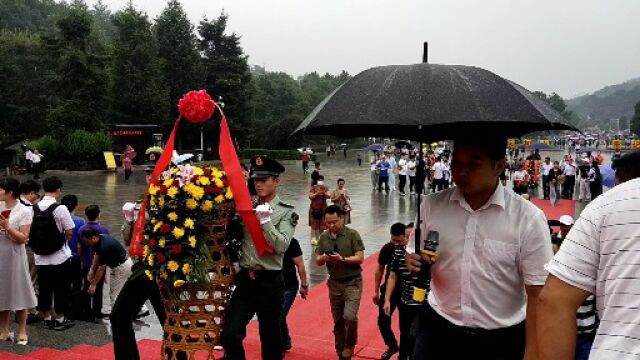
(264, 166)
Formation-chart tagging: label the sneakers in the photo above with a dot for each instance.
(62, 325)
(403, 194)
(48, 324)
(388, 354)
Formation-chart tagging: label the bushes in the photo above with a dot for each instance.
(274, 154)
(79, 145)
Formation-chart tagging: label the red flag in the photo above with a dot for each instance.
(233, 170)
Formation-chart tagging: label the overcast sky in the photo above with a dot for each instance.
(570, 46)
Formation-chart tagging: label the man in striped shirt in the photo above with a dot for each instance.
(600, 256)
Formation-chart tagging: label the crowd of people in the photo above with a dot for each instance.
(490, 289)
(53, 261)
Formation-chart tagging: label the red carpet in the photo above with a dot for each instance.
(310, 322)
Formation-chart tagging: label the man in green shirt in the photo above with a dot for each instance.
(342, 250)
(259, 283)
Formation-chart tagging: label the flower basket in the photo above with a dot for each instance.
(185, 252)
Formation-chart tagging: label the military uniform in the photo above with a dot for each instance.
(259, 283)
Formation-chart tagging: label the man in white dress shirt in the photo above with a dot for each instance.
(490, 268)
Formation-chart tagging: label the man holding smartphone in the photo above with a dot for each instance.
(342, 250)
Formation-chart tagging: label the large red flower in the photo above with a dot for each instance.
(165, 228)
(161, 259)
(176, 249)
(196, 106)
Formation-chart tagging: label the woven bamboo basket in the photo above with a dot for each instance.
(194, 320)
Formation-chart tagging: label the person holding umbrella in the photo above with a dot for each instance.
(490, 265)
(127, 159)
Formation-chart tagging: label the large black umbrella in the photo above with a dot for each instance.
(428, 102)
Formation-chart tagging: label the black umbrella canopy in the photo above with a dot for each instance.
(429, 102)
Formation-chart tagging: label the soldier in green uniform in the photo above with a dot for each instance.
(259, 283)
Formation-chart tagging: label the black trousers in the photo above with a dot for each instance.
(438, 339)
(384, 321)
(408, 315)
(54, 282)
(412, 183)
(133, 295)
(545, 186)
(568, 186)
(261, 293)
(96, 298)
(127, 173)
(383, 180)
(403, 182)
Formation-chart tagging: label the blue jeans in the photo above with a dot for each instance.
(583, 345)
(287, 301)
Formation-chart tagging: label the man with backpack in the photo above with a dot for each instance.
(51, 230)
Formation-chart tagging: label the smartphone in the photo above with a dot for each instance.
(329, 253)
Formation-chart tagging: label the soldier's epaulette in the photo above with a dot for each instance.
(286, 205)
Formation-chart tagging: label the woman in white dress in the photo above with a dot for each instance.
(16, 291)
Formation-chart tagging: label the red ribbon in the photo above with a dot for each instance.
(235, 177)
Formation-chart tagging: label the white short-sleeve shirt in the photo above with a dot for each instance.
(601, 255)
(486, 257)
(64, 222)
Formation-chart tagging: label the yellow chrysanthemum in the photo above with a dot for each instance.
(157, 226)
(189, 223)
(217, 174)
(195, 191)
(192, 241)
(219, 199)
(162, 242)
(153, 189)
(172, 216)
(164, 276)
(150, 260)
(152, 200)
(172, 192)
(186, 269)
(161, 202)
(207, 206)
(198, 171)
(229, 194)
(204, 181)
(149, 274)
(172, 266)
(145, 251)
(168, 182)
(178, 283)
(218, 183)
(178, 232)
(191, 204)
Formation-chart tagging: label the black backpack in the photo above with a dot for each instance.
(44, 236)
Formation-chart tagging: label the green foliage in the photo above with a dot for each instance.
(557, 103)
(27, 15)
(635, 121)
(79, 83)
(608, 103)
(78, 145)
(274, 154)
(226, 72)
(23, 86)
(139, 94)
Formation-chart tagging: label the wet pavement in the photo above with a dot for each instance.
(372, 215)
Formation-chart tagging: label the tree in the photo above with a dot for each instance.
(635, 121)
(557, 103)
(103, 27)
(23, 73)
(138, 90)
(178, 47)
(79, 84)
(226, 72)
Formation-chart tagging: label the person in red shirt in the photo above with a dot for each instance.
(599, 158)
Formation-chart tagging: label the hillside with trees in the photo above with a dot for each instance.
(69, 72)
